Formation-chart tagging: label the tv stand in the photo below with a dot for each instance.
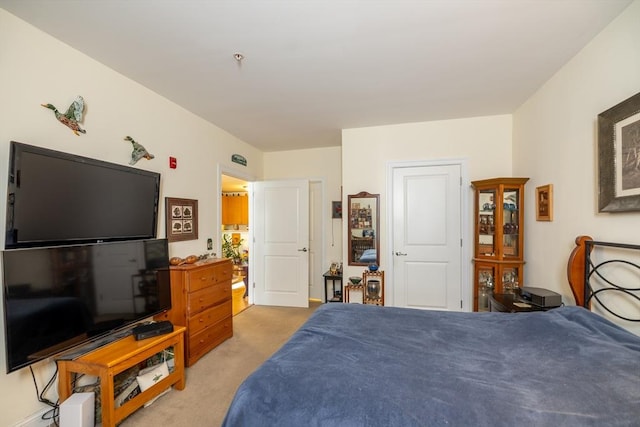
(111, 359)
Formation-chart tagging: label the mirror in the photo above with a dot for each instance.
(364, 242)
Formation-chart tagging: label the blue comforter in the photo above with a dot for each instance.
(363, 365)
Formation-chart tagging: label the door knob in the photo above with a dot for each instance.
(400, 254)
(302, 250)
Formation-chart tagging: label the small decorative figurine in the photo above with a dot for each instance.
(72, 116)
(138, 151)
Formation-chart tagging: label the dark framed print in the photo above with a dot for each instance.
(336, 209)
(619, 157)
(181, 219)
(544, 203)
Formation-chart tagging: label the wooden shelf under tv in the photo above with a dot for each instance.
(109, 360)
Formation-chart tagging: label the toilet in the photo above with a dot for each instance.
(238, 289)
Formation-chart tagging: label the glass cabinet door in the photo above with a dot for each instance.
(510, 223)
(486, 222)
(510, 279)
(486, 276)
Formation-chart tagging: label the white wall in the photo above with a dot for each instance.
(36, 68)
(483, 142)
(555, 142)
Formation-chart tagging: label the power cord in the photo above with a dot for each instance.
(53, 413)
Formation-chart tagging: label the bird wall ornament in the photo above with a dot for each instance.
(138, 151)
(72, 117)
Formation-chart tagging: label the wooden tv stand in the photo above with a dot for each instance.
(108, 361)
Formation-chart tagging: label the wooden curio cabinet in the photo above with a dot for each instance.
(499, 238)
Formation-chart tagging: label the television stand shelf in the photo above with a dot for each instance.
(106, 362)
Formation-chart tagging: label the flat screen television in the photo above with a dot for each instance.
(56, 198)
(60, 297)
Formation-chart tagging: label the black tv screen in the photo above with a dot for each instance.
(56, 298)
(57, 198)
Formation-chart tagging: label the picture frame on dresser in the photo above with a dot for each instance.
(619, 157)
(181, 219)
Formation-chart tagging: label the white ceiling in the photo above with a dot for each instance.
(314, 67)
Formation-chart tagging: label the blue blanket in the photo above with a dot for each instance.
(362, 365)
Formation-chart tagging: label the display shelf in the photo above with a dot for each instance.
(499, 237)
(373, 284)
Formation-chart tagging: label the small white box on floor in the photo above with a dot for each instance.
(78, 410)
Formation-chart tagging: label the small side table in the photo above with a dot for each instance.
(336, 295)
(351, 290)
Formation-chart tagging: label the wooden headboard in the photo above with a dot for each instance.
(583, 270)
(576, 269)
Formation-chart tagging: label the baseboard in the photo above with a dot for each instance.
(36, 420)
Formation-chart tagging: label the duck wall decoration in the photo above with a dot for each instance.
(138, 151)
(73, 115)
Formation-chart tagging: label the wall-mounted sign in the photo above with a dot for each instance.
(237, 158)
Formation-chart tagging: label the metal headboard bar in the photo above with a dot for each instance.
(590, 269)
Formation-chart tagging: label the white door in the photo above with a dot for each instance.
(281, 247)
(427, 233)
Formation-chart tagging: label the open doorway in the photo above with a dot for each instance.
(237, 182)
(234, 219)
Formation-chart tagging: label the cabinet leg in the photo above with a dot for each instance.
(64, 382)
(178, 355)
(108, 404)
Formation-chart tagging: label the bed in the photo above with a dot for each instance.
(363, 249)
(353, 364)
(368, 256)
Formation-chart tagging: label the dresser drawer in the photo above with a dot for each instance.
(209, 338)
(204, 298)
(208, 276)
(201, 301)
(208, 317)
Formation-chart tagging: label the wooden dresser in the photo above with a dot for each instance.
(201, 301)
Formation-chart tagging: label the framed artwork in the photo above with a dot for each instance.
(336, 209)
(544, 203)
(181, 219)
(619, 157)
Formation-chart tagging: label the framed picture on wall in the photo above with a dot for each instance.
(336, 209)
(544, 203)
(619, 157)
(181, 219)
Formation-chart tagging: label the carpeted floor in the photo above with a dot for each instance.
(212, 382)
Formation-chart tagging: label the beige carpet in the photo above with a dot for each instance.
(211, 383)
